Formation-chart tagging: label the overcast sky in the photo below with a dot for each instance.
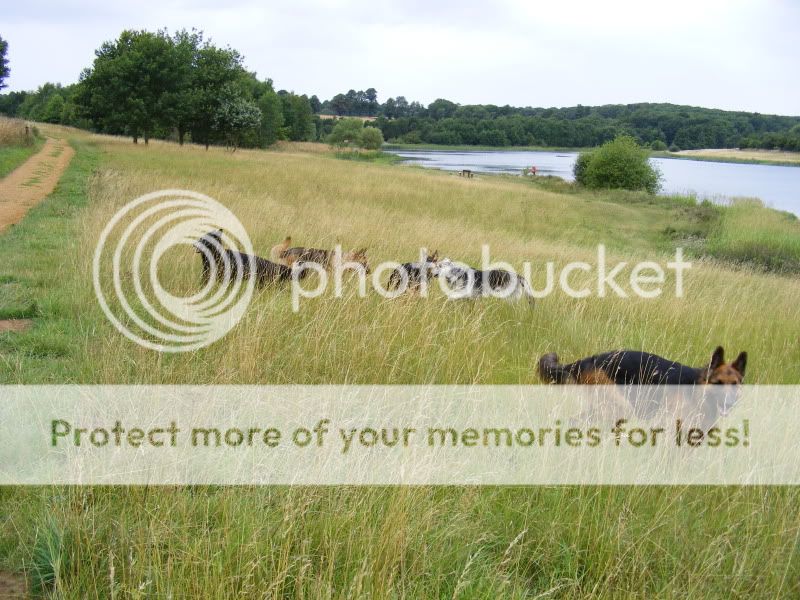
(732, 54)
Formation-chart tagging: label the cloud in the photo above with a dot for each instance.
(737, 54)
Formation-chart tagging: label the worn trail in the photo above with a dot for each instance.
(33, 181)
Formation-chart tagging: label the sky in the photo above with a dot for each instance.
(730, 54)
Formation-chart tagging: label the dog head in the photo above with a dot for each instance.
(432, 263)
(719, 372)
(446, 267)
(210, 241)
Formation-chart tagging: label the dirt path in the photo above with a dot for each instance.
(14, 325)
(33, 181)
(12, 587)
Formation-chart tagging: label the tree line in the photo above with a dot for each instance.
(183, 87)
(156, 85)
(660, 126)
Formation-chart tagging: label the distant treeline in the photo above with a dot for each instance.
(183, 87)
(660, 126)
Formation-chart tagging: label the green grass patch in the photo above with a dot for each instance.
(13, 156)
(726, 159)
(390, 542)
(373, 156)
(36, 253)
(750, 234)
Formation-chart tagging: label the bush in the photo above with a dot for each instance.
(412, 137)
(346, 132)
(371, 138)
(579, 170)
(619, 164)
(674, 148)
(658, 146)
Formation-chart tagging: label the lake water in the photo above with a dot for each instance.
(777, 186)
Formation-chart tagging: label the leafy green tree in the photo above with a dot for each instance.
(619, 164)
(493, 137)
(371, 97)
(130, 83)
(346, 132)
(4, 70)
(271, 117)
(339, 105)
(181, 103)
(53, 110)
(236, 116)
(298, 118)
(214, 69)
(371, 138)
(441, 109)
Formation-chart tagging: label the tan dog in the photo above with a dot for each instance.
(285, 254)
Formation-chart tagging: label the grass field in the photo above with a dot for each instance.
(16, 144)
(747, 155)
(13, 156)
(466, 542)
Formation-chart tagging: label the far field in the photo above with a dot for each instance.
(766, 156)
(465, 542)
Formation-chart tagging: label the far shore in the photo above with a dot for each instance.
(732, 155)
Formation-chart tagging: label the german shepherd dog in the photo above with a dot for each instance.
(413, 272)
(287, 255)
(467, 282)
(235, 264)
(698, 397)
(631, 367)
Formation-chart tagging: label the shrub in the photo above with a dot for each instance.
(658, 146)
(619, 164)
(579, 170)
(371, 138)
(412, 137)
(674, 148)
(346, 132)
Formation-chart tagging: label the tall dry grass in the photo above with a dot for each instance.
(16, 132)
(393, 211)
(422, 542)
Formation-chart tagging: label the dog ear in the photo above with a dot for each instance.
(717, 358)
(740, 363)
(435, 254)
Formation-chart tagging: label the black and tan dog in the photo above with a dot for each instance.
(414, 272)
(631, 367)
(235, 265)
(286, 254)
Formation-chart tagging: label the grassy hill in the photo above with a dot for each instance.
(465, 542)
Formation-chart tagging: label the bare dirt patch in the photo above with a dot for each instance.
(33, 181)
(12, 587)
(7, 325)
